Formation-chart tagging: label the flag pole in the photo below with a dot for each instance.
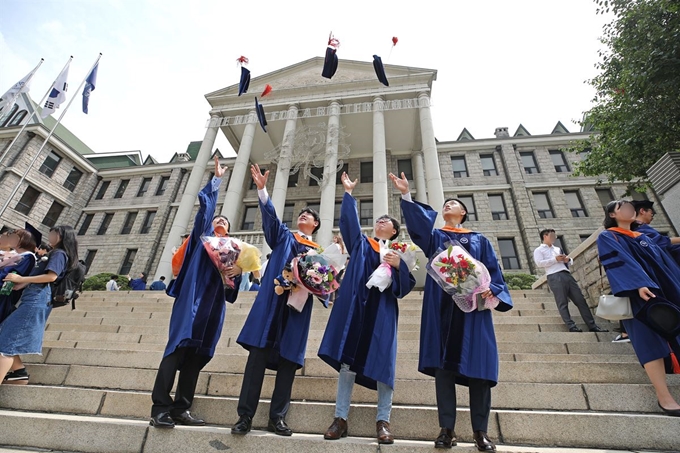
(4, 154)
(37, 155)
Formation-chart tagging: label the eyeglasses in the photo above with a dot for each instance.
(382, 221)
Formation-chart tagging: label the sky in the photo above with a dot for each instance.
(500, 63)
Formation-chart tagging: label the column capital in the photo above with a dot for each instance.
(294, 105)
(378, 98)
(334, 107)
(417, 153)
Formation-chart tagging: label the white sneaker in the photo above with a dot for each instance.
(621, 339)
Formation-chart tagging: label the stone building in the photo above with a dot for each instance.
(130, 213)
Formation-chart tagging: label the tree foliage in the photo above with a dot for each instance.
(98, 282)
(636, 115)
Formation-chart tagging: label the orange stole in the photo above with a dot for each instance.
(306, 242)
(178, 257)
(628, 233)
(456, 230)
(374, 244)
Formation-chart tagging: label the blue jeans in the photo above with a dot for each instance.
(344, 396)
(22, 332)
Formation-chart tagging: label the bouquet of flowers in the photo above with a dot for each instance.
(224, 252)
(10, 259)
(381, 278)
(463, 277)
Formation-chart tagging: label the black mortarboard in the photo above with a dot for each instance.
(330, 63)
(642, 204)
(260, 115)
(380, 70)
(37, 235)
(244, 82)
(662, 316)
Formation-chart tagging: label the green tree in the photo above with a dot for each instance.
(98, 282)
(636, 115)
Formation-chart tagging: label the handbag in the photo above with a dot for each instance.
(613, 308)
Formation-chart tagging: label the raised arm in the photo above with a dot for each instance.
(207, 199)
(350, 228)
(274, 230)
(419, 218)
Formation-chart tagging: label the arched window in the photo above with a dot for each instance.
(18, 118)
(9, 116)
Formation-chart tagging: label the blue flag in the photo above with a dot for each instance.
(90, 83)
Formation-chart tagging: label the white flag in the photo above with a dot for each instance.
(22, 86)
(57, 94)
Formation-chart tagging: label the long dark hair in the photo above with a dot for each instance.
(68, 243)
(612, 206)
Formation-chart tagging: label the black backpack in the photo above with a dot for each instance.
(67, 288)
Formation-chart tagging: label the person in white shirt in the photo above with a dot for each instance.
(112, 285)
(562, 283)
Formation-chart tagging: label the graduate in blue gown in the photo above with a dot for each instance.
(23, 243)
(456, 347)
(644, 215)
(639, 269)
(197, 315)
(274, 334)
(360, 340)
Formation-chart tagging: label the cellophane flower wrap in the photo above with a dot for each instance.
(10, 259)
(381, 277)
(462, 276)
(316, 273)
(224, 252)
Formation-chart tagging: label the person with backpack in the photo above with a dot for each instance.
(22, 332)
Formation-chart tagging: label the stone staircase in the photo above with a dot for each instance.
(90, 391)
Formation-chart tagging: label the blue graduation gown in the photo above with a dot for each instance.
(137, 284)
(633, 263)
(199, 308)
(23, 267)
(362, 327)
(451, 339)
(271, 323)
(661, 240)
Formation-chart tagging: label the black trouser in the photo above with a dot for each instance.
(564, 287)
(480, 400)
(253, 377)
(189, 365)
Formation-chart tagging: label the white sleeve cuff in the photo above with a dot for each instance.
(407, 197)
(263, 195)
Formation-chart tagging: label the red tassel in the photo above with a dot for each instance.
(333, 42)
(267, 90)
(676, 364)
(242, 60)
(395, 40)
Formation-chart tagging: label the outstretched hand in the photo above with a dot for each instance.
(400, 183)
(259, 179)
(219, 170)
(347, 183)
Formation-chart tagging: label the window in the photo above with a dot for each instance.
(293, 179)
(583, 237)
(336, 214)
(559, 162)
(583, 155)
(559, 242)
(127, 262)
(86, 224)
(146, 182)
(129, 222)
(53, 214)
(315, 206)
(249, 218)
(102, 190)
(406, 167)
(366, 212)
(73, 179)
(10, 115)
(338, 176)
(89, 258)
(163, 185)
(639, 196)
(497, 204)
(252, 183)
(469, 203)
(27, 201)
(489, 165)
(105, 224)
(318, 172)
(605, 196)
(121, 188)
(287, 217)
(508, 254)
(50, 164)
(148, 222)
(529, 163)
(459, 167)
(18, 118)
(366, 172)
(575, 204)
(543, 205)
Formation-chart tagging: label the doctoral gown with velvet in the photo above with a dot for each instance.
(362, 327)
(661, 240)
(199, 308)
(451, 339)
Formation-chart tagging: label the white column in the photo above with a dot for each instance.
(380, 197)
(327, 207)
(433, 178)
(419, 176)
(233, 200)
(186, 205)
(283, 167)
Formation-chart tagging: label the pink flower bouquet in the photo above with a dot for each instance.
(224, 252)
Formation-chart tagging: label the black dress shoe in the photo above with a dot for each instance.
(670, 412)
(598, 329)
(482, 441)
(446, 439)
(575, 329)
(187, 419)
(162, 420)
(279, 427)
(243, 425)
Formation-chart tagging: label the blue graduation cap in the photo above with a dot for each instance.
(244, 82)
(330, 62)
(37, 235)
(380, 70)
(260, 115)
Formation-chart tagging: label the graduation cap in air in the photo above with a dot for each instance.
(643, 204)
(260, 115)
(244, 82)
(380, 70)
(330, 62)
(37, 235)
